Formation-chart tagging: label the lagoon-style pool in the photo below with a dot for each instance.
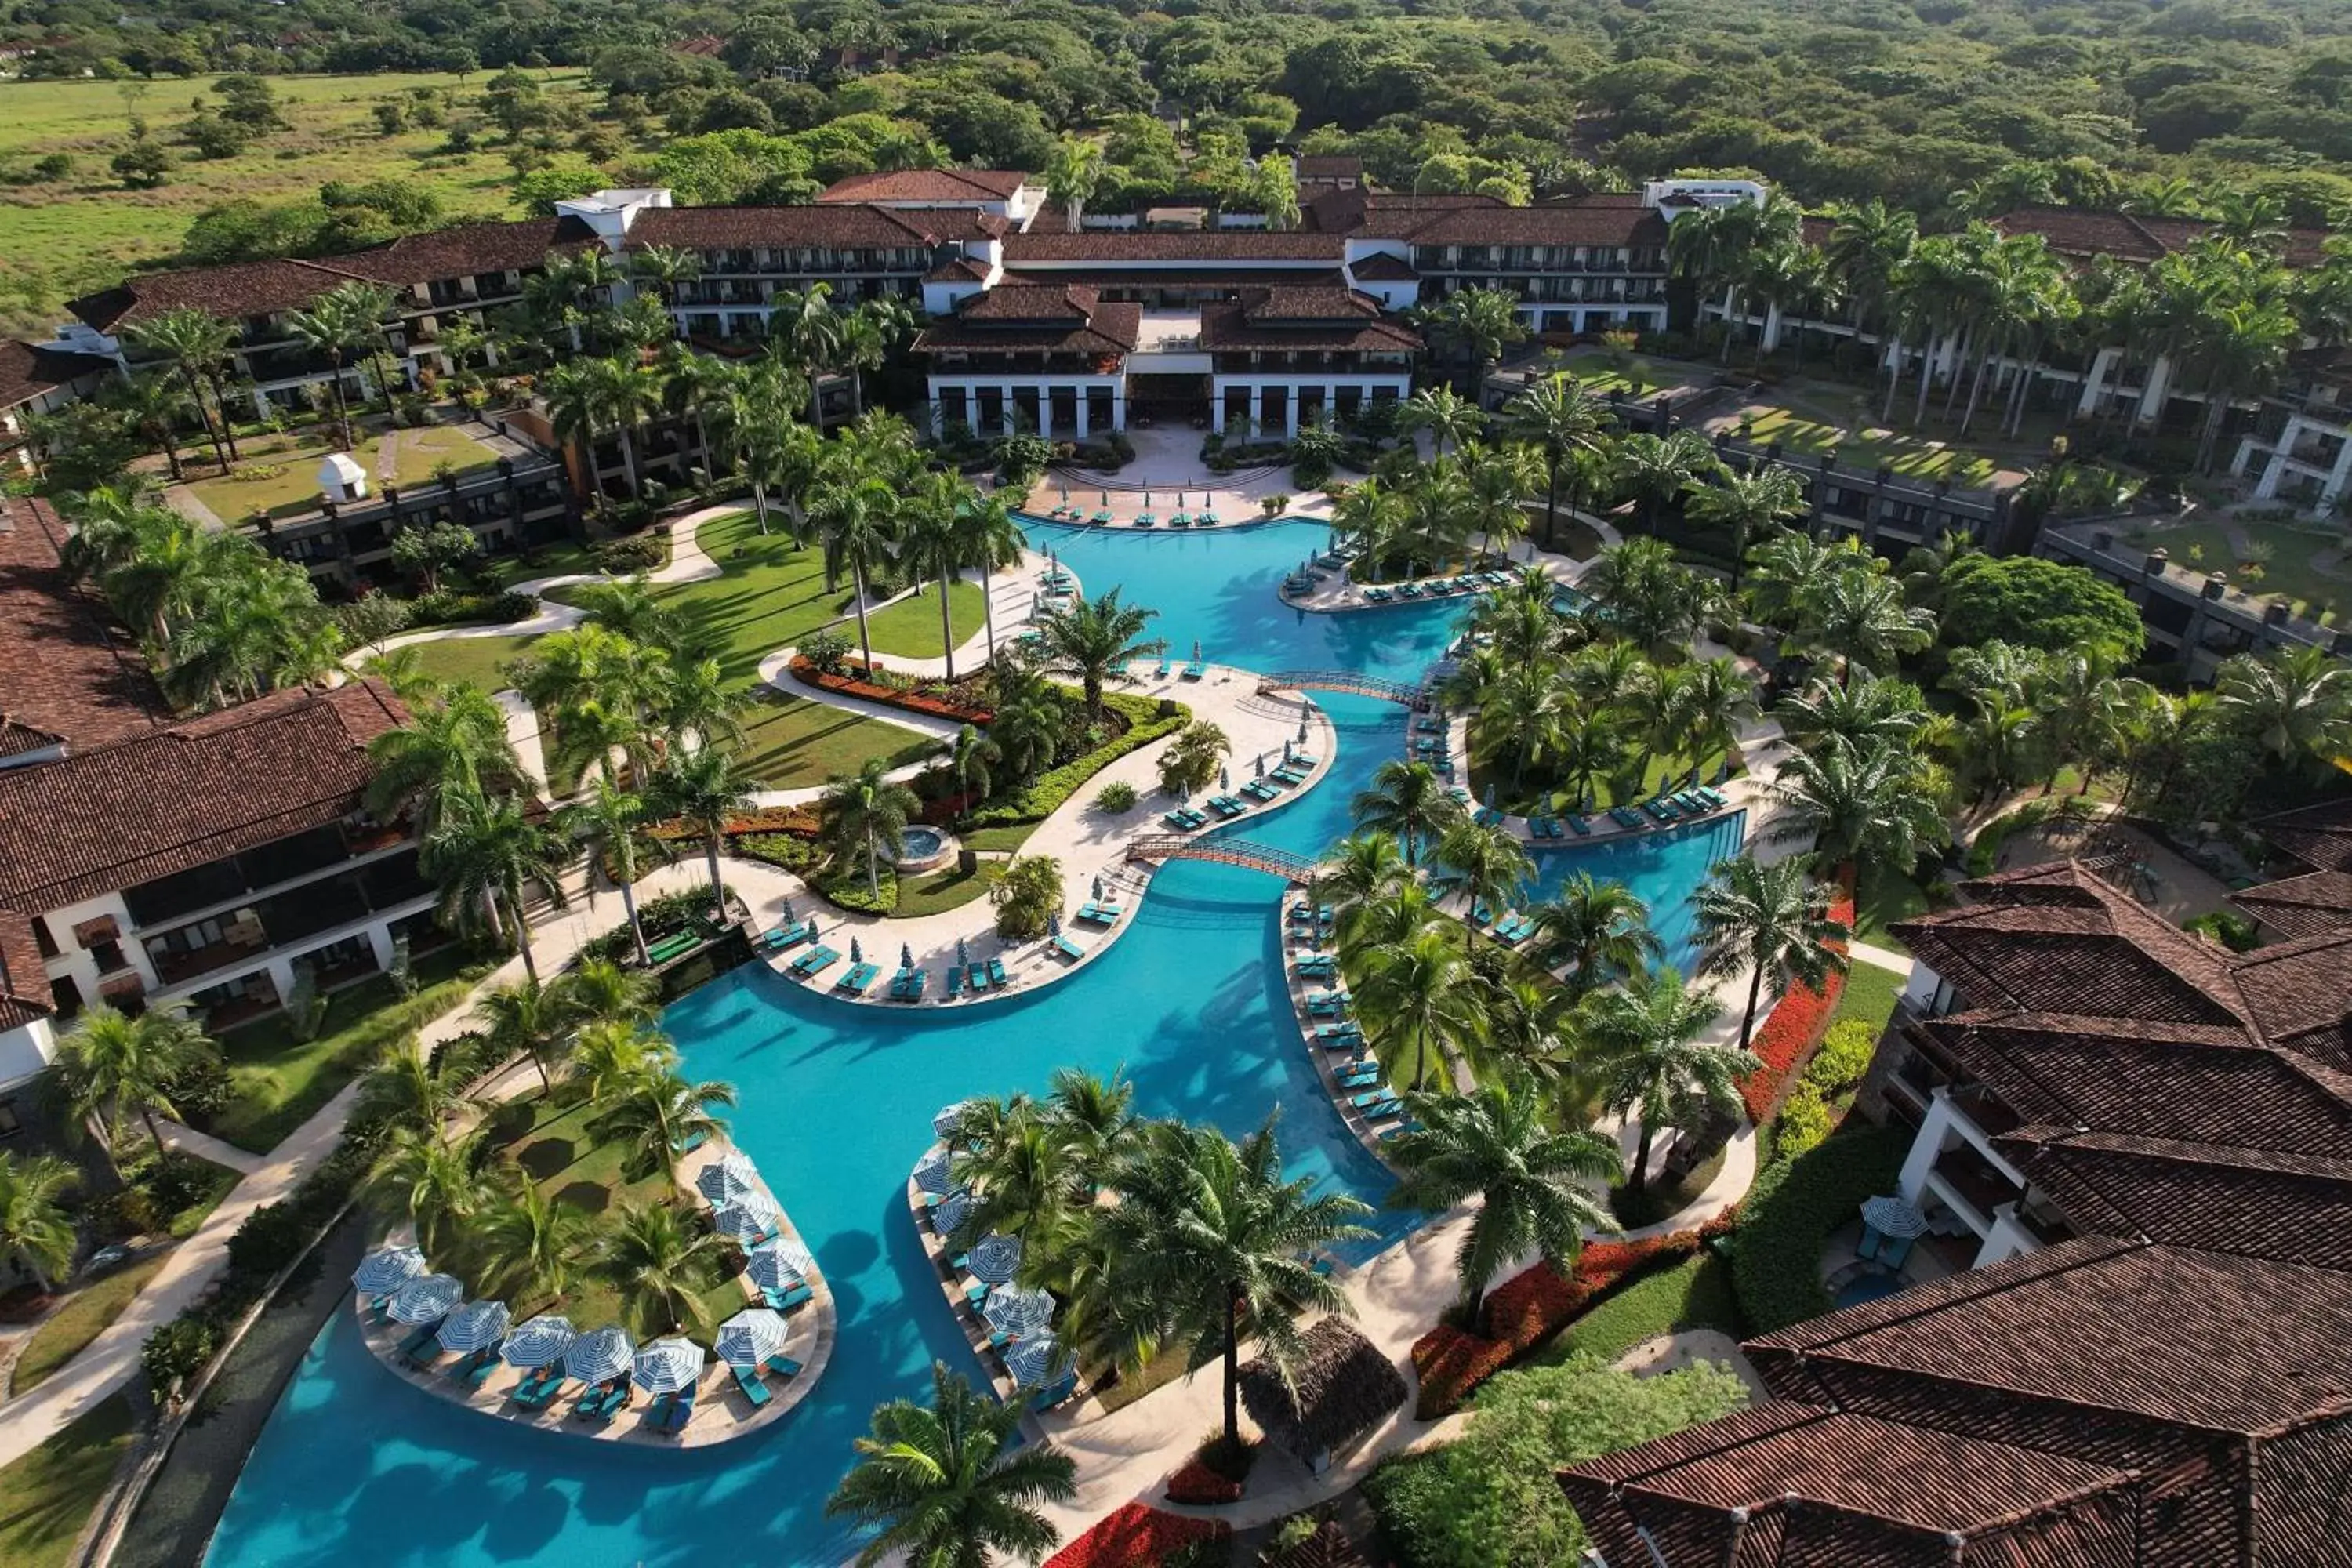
(837, 1100)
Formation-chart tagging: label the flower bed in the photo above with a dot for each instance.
(1198, 1486)
(1791, 1030)
(1137, 1536)
(808, 674)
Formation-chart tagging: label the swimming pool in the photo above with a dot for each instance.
(356, 1465)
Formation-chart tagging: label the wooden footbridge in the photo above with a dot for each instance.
(1411, 694)
(1287, 864)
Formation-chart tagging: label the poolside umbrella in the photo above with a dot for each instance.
(906, 955)
(795, 1257)
(387, 1268)
(668, 1365)
(1053, 922)
(1105, 500)
(600, 1355)
(963, 953)
(1260, 764)
(1196, 651)
(1098, 889)
(1018, 1310)
(785, 915)
(1302, 729)
(814, 933)
(729, 1177)
(952, 1211)
(995, 1257)
(1285, 750)
(857, 952)
(750, 1337)
(1029, 1360)
(1490, 794)
(1147, 498)
(1225, 780)
(745, 1222)
(774, 1268)
(427, 1299)
(948, 1119)
(1066, 495)
(1893, 1218)
(539, 1343)
(476, 1326)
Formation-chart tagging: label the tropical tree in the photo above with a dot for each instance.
(1089, 639)
(932, 544)
(155, 401)
(863, 816)
(1407, 801)
(1598, 929)
(1422, 1003)
(664, 267)
(706, 787)
(1364, 869)
(526, 1019)
(1716, 699)
(1019, 1170)
(1871, 804)
(480, 853)
(1643, 1040)
(971, 756)
(599, 991)
(113, 1064)
(1073, 175)
(1028, 725)
(610, 1054)
(1371, 516)
(451, 750)
(951, 1485)
(1450, 418)
(1657, 468)
(656, 1116)
(855, 513)
(434, 1179)
(406, 1089)
(1558, 418)
(1480, 863)
(1484, 323)
(629, 393)
(195, 344)
(1533, 1181)
(1772, 920)
(1747, 506)
(1870, 711)
(988, 541)
(2297, 702)
(1861, 618)
(37, 1235)
(604, 818)
(659, 1264)
(1093, 1118)
(1210, 1245)
(530, 1246)
(345, 323)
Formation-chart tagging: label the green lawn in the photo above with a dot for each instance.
(48, 1496)
(67, 1332)
(936, 891)
(791, 741)
(1882, 898)
(1870, 995)
(2287, 573)
(1693, 1294)
(561, 558)
(282, 478)
(910, 628)
(477, 661)
(1598, 370)
(1911, 455)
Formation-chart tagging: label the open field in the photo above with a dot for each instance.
(84, 230)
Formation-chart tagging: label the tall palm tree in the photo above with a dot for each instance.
(2297, 702)
(1746, 505)
(1087, 639)
(1558, 418)
(970, 757)
(1599, 930)
(1479, 864)
(525, 1019)
(665, 267)
(113, 1065)
(1450, 418)
(1869, 711)
(988, 540)
(346, 323)
(1422, 1006)
(481, 854)
(1657, 468)
(950, 1484)
(432, 1178)
(1365, 869)
(599, 991)
(807, 330)
(1093, 1119)
(1644, 1039)
(1772, 920)
(452, 750)
(606, 818)
(610, 1054)
(855, 513)
(706, 786)
(863, 817)
(931, 544)
(1870, 805)
(1371, 515)
(531, 1247)
(1533, 1181)
(629, 393)
(195, 344)
(1211, 1244)
(1019, 1170)
(656, 1115)
(1493, 480)
(660, 1264)
(1716, 700)
(1073, 175)
(574, 392)
(1408, 802)
(37, 1235)
(155, 401)
(1860, 618)
(2085, 715)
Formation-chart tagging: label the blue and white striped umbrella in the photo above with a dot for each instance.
(796, 1256)
(427, 1299)
(995, 1259)
(387, 1268)
(1018, 1310)
(1030, 1360)
(728, 1179)
(540, 1342)
(600, 1355)
(952, 1212)
(746, 1221)
(750, 1337)
(949, 1117)
(772, 1268)
(932, 1172)
(668, 1365)
(477, 1325)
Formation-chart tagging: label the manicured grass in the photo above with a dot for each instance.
(2288, 574)
(1912, 455)
(935, 891)
(1597, 369)
(1661, 774)
(48, 1496)
(67, 1332)
(556, 559)
(1881, 897)
(792, 742)
(282, 478)
(910, 628)
(475, 661)
(1693, 1294)
(1869, 995)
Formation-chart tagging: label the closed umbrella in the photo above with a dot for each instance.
(1018, 1310)
(995, 1257)
(729, 1177)
(427, 1299)
(1098, 889)
(963, 953)
(934, 1172)
(668, 1365)
(906, 955)
(1893, 1218)
(774, 1268)
(1054, 922)
(387, 1268)
(1196, 651)
(857, 952)
(1225, 780)
(1030, 1360)
(539, 1343)
(952, 1211)
(1302, 730)
(600, 1355)
(745, 1222)
(1260, 765)
(477, 1325)
(949, 1118)
(786, 914)
(750, 1337)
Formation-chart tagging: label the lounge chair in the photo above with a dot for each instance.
(783, 1366)
(1378, 595)
(857, 979)
(681, 1411)
(1371, 1097)
(538, 1390)
(1714, 796)
(475, 1371)
(1207, 519)
(1581, 826)
(1303, 761)
(1181, 519)
(955, 981)
(1625, 817)
(976, 977)
(1363, 1076)
(996, 979)
(1175, 819)
(783, 938)
(1068, 948)
(754, 1387)
(1147, 519)
(1102, 515)
(785, 1300)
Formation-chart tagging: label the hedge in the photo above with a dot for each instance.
(808, 674)
(1789, 1213)
(1150, 720)
(1791, 1029)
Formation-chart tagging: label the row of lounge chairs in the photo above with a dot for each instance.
(1683, 805)
(754, 1384)
(1102, 516)
(1316, 965)
(906, 985)
(978, 977)
(1438, 587)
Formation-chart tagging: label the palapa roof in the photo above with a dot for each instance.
(1342, 1387)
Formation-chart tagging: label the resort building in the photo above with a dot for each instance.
(37, 379)
(2195, 614)
(214, 860)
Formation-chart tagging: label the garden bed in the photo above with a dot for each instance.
(914, 699)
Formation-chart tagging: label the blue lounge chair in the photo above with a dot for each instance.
(1359, 1078)
(1068, 948)
(414, 1345)
(857, 979)
(976, 977)
(783, 1366)
(1196, 670)
(754, 1386)
(1371, 1098)
(996, 980)
(785, 1300)
(1147, 519)
(1581, 826)
(1714, 796)
(955, 981)
(1206, 519)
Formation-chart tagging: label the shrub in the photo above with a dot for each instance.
(2231, 930)
(1844, 1057)
(638, 553)
(1791, 1211)
(777, 849)
(849, 889)
(1116, 797)
(1199, 1486)
(1191, 761)
(1148, 723)
(1027, 892)
(1136, 1535)
(1806, 1119)
(448, 606)
(176, 1352)
(271, 1237)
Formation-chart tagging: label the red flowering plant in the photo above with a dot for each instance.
(1136, 1536)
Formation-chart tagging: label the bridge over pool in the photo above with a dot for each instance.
(1411, 694)
(1287, 864)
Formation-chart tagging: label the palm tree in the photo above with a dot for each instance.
(1484, 322)
(2085, 715)
(605, 819)
(660, 1264)
(1864, 713)
(951, 1485)
(1657, 468)
(1860, 616)
(1408, 802)
(1532, 1180)
(344, 322)
(1094, 1120)
(1769, 921)
(1870, 805)
(456, 749)
(988, 540)
(610, 1054)
(656, 1115)
(599, 991)
(155, 402)
(1448, 416)
(1422, 1003)
(1481, 865)
(531, 1247)
(1644, 1040)
(433, 1179)
(574, 394)
(932, 545)
(1089, 639)
(1558, 418)
(855, 513)
(863, 817)
(664, 267)
(113, 1065)
(706, 786)
(1210, 1244)
(1493, 480)
(1019, 1170)
(2297, 702)
(1365, 869)
(1716, 700)
(1597, 929)
(1028, 724)
(971, 756)
(37, 1235)
(629, 393)
(1372, 515)
(1746, 505)
(481, 854)
(195, 344)
(805, 330)
(525, 1019)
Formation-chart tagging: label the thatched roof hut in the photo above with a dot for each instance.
(1344, 1388)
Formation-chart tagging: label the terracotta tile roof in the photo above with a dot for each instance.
(1113, 244)
(239, 288)
(1328, 166)
(24, 984)
(1107, 330)
(1588, 225)
(846, 226)
(1394, 216)
(119, 814)
(470, 247)
(26, 372)
(1178, 275)
(2313, 904)
(2319, 836)
(2224, 1197)
(1314, 319)
(928, 185)
(2073, 231)
(67, 674)
(1032, 303)
(2296, 989)
(961, 269)
(1382, 268)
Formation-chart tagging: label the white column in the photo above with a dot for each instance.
(1331, 403)
(1119, 407)
(1007, 416)
(1925, 1148)
(2101, 364)
(2337, 478)
(1293, 425)
(1217, 409)
(281, 976)
(939, 416)
(1771, 328)
(1080, 409)
(380, 940)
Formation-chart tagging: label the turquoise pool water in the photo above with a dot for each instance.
(836, 1106)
